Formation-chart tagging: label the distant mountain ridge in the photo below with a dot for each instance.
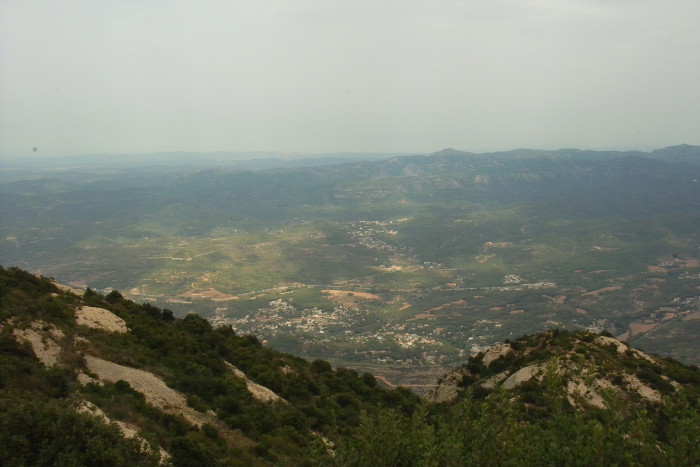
(682, 152)
(263, 160)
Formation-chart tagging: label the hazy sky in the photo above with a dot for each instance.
(88, 76)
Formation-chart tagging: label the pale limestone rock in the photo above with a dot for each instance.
(522, 375)
(495, 380)
(68, 288)
(128, 430)
(578, 388)
(84, 379)
(258, 391)
(622, 348)
(99, 318)
(493, 353)
(42, 337)
(642, 389)
(154, 389)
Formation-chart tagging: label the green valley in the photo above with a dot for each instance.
(398, 265)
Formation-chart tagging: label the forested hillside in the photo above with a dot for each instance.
(222, 420)
(179, 391)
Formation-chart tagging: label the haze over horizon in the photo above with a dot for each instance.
(84, 77)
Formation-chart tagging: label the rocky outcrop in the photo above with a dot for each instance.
(154, 389)
(127, 429)
(99, 318)
(258, 391)
(495, 352)
(523, 375)
(589, 369)
(448, 390)
(43, 339)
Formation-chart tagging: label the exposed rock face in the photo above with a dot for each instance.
(493, 353)
(622, 347)
(642, 389)
(495, 380)
(128, 430)
(450, 387)
(43, 338)
(99, 318)
(68, 288)
(448, 390)
(588, 366)
(154, 389)
(523, 375)
(258, 391)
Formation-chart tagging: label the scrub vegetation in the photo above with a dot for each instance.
(321, 415)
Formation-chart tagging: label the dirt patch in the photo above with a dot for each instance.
(428, 314)
(387, 269)
(362, 295)
(595, 293)
(602, 248)
(99, 318)
(623, 336)
(209, 294)
(423, 316)
(657, 269)
(641, 328)
(692, 316)
(348, 298)
(560, 299)
(441, 307)
(488, 245)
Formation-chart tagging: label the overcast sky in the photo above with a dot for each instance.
(128, 76)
